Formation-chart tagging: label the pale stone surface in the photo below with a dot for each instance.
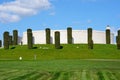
(79, 36)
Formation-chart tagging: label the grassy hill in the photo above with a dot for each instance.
(73, 62)
(71, 51)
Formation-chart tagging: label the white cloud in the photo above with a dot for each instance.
(15, 10)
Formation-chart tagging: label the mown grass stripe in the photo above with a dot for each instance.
(7, 74)
(55, 76)
(14, 75)
(105, 75)
(23, 77)
(111, 75)
(64, 76)
(91, 73)
(73, 75)
(34, 76)
(100, 75)
(117, 74)
(83, 75)
(45, 76)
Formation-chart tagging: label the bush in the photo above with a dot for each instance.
(15, 37)
(116, 39)
(0, 43)
(90, 41)
(47, 35)
(89, 34)
(29, 39)
(57, 40)
(90, 44)
(108, 40)
(69, 35)
(6, 40)
(10, 40)
(118, 42)
(118, 32)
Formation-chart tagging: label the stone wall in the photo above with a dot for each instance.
(79, 37)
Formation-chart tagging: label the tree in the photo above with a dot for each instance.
(0, 43)
(69, 35)
(118, 42)
(90, 41)
(6, 40)
(47, 35)
(108, 41)
(15, 37)
(10, 40)
(29, 39)
(57, 40)
(118, 32)
(90, 44)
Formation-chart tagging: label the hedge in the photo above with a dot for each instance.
(29, 39)
(15, 37)
(6, 40)
(57, 40)
(69, 35)
(47, 30)
(108, 40)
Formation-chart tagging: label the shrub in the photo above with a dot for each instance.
(118, 32)
(90, 41)
(108, 36)
(89, 34)
(90, 44)
(118, 42)
(57, 40)
(15, 37)
(69, 35)
(6, 40)
(47, 35)
(29, 39)
(10, 40)
(0, 43)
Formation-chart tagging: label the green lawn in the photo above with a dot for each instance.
(73, 51)
(60, 70)
(73, 62)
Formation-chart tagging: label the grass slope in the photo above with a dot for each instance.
(72, 51)
(73, 62)
(60, 70)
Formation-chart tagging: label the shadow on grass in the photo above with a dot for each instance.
(35, 47)
(12, 47)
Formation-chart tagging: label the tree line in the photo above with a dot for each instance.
(13, 40)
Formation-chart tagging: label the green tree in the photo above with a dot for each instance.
(47, 30)
(57, 40)
(0, 43)
(90, 41)
(90, 44)
(6, 40)
(118, 32)
(10, 40)
(108, 40)
(69, 35)
(118, 42)
(29, 39)
(15, 37)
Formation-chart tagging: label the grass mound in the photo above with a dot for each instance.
(69, 51)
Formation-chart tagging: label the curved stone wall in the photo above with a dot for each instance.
(79, 37)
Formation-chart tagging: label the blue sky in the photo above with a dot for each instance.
(58, 14)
